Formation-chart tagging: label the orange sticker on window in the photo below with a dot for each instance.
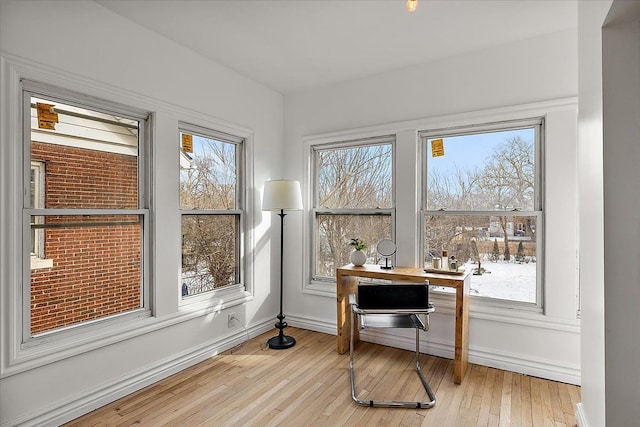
(187, 143)
(437, 148)
(47, 117)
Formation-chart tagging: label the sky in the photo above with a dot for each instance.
(470, 151)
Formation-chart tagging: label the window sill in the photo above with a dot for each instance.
(320, 288)
(40, 263)
(214, 301)
(505, 312)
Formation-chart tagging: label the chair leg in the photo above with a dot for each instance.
(382, 403)
(425, 383)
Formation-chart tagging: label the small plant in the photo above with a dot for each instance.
(358, 244)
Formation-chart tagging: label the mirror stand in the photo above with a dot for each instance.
(386, 248)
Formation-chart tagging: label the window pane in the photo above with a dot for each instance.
(209, 252)
(503, 247)
(96, 270)
(356, 177)
(37, 202)
(484, 171)
(91, 158)
(207, 174)
(334, 232)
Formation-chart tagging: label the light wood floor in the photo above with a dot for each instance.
(308, 385)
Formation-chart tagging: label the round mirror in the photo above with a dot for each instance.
(386, 247)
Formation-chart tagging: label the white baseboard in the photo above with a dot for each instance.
(312, 324)
(514, 362)
(581, 417)
(64, 411)
(103, 394)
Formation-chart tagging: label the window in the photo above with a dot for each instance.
(211, 209)
(482, 204)
(37, 201)
(353, 198)
(85, 211)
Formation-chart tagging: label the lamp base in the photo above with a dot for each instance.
(281, 342)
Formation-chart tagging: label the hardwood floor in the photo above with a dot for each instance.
(308, 385)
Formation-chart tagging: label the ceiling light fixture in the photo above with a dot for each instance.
(412, 5)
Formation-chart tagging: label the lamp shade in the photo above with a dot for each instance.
(282, 194)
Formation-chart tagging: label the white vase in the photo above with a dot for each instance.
(357, 258)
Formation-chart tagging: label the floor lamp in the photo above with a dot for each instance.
(281, 195)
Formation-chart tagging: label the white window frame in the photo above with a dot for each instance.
(161, 132)
(319, 283)
(38, 260)
(241, 268)
(537, 123)
(30, 344)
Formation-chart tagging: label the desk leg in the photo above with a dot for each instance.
(345, 285)
(461, 358)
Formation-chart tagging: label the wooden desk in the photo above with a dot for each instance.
(347, 282)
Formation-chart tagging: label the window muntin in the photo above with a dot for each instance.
(211, 209)
(483, 204)
(83, 211)
(353, 198)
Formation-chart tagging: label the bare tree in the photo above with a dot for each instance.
(209, 241)
(508, 179)
(505, 183)
(351, 178)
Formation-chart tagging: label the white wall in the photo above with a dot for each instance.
(621, 156)
(87, 48)
(591, 410)
(491, 84)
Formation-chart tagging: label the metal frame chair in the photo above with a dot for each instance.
(391, 306)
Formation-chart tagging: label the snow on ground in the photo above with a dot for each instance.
(501, 280)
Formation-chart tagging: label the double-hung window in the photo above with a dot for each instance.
(353, 194)
(482, 204)
(85, 212)
(211, 203)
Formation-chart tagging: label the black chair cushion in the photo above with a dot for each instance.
(382, 297)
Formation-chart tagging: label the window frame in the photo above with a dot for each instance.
(315, 211)
(240, 143)
(37, 255)
(538, 124)
(29, 88)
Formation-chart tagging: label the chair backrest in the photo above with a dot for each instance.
(398, 296)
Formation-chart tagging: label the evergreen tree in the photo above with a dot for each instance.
(520, 253)
(507, 254)
(495, 255)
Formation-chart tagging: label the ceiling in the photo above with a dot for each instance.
(291, 45)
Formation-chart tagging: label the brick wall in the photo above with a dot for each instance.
(96, 267)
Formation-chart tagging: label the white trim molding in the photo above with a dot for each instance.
(581, 416)
(165, 309)
(510, 361)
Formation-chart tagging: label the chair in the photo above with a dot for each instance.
(391, 306)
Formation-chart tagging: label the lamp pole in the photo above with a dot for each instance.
(281, 341)
(281, 195)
